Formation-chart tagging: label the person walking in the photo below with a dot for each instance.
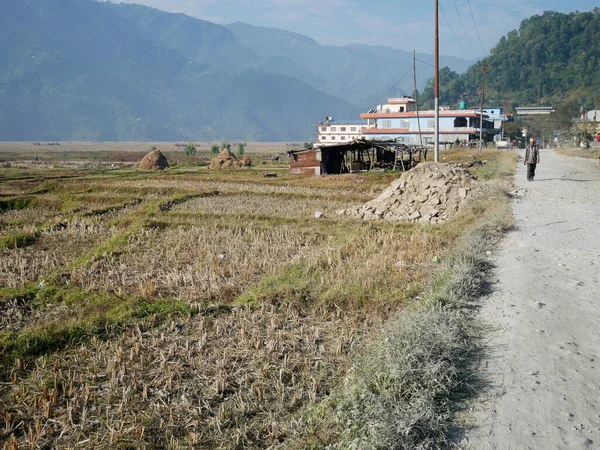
(532, 158)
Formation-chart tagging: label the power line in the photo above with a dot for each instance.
(384, 96)
(465, 30)
(476, 28)
(426, 63)
(455, 37)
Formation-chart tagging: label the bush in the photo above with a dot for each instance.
(241, 148)
(214, 149)
(190, 149)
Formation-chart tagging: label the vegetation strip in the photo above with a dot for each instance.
(85, 314)
(402, 386)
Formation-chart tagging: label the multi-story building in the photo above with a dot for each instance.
(397, 119)
(334, 132)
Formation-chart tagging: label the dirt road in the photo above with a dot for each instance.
(542, 362)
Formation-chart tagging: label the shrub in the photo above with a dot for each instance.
(190, 149)
(241, 148)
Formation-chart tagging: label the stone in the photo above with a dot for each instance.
(319, 215)
(415, 215)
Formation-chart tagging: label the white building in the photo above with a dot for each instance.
(332, 131)
(398, 120)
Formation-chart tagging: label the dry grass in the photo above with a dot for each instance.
(233, 379)
(54, 248)
(590, 153)
(264, 205)
(192, 309)
(199, 263)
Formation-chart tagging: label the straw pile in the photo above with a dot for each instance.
(154, 160)
(227, 160)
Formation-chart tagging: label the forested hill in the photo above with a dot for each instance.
(551, 57)
(80, 70)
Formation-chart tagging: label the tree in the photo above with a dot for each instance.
(190, 149)
(214, 149)
(241, 148)
(225, 146)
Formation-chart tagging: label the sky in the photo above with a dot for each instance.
(468, 28)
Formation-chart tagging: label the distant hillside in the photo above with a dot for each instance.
(77, 69)
(551, 57)
(360, 74)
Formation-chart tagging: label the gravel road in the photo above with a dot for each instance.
(541, 369)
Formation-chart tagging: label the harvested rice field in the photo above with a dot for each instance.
(194, 308)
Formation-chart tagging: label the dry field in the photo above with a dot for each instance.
(193, 308)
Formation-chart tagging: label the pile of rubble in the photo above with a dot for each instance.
(428, 193)
(227, 160)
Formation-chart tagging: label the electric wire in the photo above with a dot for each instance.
(426, 63)
(465, 30)
(384, 96)
(476, 28)
(455, 37)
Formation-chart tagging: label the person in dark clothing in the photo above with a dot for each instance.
(532, 158)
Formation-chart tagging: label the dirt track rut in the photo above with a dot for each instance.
(542, 362)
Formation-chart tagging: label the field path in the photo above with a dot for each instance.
(541, 368)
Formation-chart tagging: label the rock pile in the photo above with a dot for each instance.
(428, 193)
(154, 160)
(227, 160)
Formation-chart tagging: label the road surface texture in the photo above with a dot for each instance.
(541, 369)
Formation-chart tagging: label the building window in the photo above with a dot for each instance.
(386, 123)
(333, 138)
(428, 140)
(352, 128)
(323, 138)
(430, 123)
(342, 128)
(405, 124)
(343, 138)
(333, 128)
(323, 128)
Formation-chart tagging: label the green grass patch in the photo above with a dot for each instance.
(18, 239)
(293, 284)
(74, 317)
(17, 203)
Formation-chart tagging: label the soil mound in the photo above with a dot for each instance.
(428, 193)
(154, 160)
(227, 160)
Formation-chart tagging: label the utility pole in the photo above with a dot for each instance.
(436, 148)
(417, 97)
(484, 70)
(504, 118)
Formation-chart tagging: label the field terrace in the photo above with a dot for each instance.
(190, 308)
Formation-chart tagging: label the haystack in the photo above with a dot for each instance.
(227, 160)
(154, 160)
(428, 193)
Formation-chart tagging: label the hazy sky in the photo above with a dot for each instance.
(406, 25)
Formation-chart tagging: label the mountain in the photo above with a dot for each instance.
(198, 40)
(360, 74)
(552, 57)
(81, 70)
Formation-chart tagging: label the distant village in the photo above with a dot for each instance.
(395, 135)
